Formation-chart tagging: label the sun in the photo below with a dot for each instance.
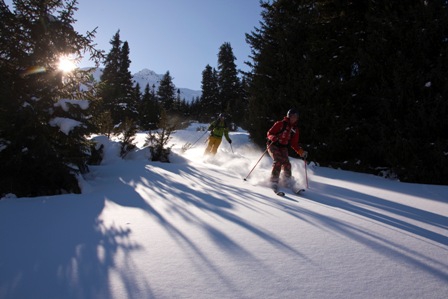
(66, 63)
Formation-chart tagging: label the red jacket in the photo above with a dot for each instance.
(283, 133)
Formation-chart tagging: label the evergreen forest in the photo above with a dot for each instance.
(369, 79)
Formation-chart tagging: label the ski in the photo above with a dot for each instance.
(295, 189)
(276, 191)
(279, 193)
(298, 191)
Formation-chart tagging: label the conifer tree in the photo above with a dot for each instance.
(116, 88)
(130, 97)
(241, 112)
(166, 93)
(110, 86)
(157, 141)
(39, 155)
(177, 106)
(127, 137)
(279, 55)
(228, 81)
(149, 110)
(209, 102)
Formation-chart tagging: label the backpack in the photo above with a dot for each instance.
(285, 124)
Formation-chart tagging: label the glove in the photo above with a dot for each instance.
(304, 154)
(273, 138)
(230, 141)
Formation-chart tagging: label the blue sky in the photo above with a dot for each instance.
(179, 36)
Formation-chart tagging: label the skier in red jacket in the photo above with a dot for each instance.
(281, 135)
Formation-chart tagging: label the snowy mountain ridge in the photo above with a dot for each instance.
(147, 76)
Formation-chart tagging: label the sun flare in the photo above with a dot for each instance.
(66, 63)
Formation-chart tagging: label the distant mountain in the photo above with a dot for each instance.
(146, 76)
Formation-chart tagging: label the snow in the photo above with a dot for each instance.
(66, 125)
(194, 228)
(63, 103)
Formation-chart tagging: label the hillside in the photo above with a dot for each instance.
(194, 228)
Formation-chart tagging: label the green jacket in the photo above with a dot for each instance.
(219, 128)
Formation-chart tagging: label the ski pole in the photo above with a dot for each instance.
(199, 138)
(232, 148)
(191, 145)
(264, 153)
(306, 174)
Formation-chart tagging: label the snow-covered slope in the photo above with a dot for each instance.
(146, 76)
(194, 228)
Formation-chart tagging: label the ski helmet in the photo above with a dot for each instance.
(291, 112)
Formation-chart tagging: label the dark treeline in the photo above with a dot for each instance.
(368, 77)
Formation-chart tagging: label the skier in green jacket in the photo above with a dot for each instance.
(218, 129)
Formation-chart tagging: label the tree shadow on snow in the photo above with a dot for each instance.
(166, 190)
(62, 249)
(430, 192)
(378, 209)
(381, 212)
